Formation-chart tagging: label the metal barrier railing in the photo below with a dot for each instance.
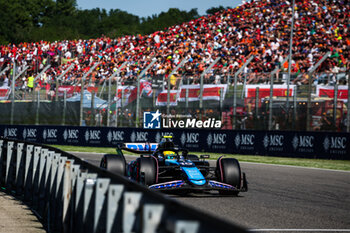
(247, 106)
(71, 195)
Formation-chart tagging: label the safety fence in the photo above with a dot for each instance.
(321, 145)
(272, 103)
(71, 195)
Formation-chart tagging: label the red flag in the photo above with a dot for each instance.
(162, 98)
(193, 92)
(213, 92)
(68, 88)
(264, 91)
(146, 88)
(126, 95)
(210, 92)
(4, 93)
(89, 89)
(328, 91)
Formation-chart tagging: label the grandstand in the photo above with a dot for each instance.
(257, 29)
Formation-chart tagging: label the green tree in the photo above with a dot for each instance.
(165, 19)
(213, 10)
(35, 20)
(65, 7)
(16, 21)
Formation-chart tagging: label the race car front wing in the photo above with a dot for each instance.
(183, 185)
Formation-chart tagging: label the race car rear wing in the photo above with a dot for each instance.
(138, 148)
(144, 148)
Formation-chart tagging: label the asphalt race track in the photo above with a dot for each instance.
(280, 199)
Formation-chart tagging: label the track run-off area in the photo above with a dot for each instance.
(279, 199)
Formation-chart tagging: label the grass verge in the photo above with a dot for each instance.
(314, 163)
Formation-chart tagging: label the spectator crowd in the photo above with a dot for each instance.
(259, 28)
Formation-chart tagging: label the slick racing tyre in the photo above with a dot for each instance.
(229, 172)
(147, 170)
(114, 163)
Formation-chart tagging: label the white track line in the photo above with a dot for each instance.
(291, 166)
(299, 230)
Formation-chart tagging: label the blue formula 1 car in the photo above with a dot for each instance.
(169, 168)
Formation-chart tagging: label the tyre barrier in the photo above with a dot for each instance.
(69, 194)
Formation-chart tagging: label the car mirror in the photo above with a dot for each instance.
(121, 145)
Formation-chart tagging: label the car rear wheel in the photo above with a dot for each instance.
(114, 163)
(147, 170)
(229, 172)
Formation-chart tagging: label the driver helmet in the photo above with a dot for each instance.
(169, 154)
(166, 144)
